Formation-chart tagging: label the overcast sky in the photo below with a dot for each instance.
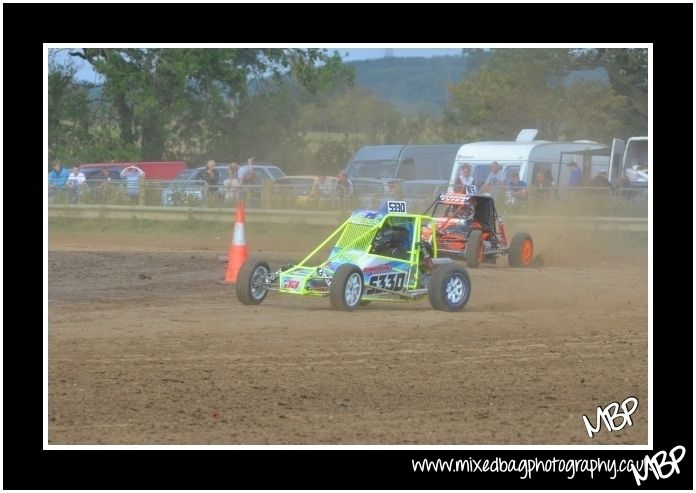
(367, 53)
(86, 73)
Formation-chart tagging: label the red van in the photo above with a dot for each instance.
(154, 170)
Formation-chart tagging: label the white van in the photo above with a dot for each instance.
(527, 156)
(630, 162)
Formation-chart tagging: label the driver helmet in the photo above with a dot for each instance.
(390, 239)
(463, 211)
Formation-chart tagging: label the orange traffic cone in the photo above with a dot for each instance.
(237, 252)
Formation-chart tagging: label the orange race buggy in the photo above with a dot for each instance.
(468, 228)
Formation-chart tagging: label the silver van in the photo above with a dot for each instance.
(403, 162)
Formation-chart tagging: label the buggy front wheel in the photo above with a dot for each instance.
(249, 285)
(346, 288)
(449, 288)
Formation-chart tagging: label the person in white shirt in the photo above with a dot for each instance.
(324, 187)
(76, 179)
(496, 178)
(74, 183)
(463, 179)
(231, 184)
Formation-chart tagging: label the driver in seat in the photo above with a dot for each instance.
(392, 241)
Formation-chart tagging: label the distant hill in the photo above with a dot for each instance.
(412, 84)
(419, 85)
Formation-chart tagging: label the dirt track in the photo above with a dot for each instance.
(146, 348)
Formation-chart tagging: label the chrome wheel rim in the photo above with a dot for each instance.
(257, 290)
(353, 289)
(455, 290)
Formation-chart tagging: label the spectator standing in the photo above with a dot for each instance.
(74, 183)
(247, 168)
(246, 178)
(57, 178)
(496, 178)
(99, 191)
(575, 174)
(211, 176)
(76, 178)
(542, 185)
(132, 176)
(344, 185)
(517, 189)
(324, 187)
(322, 191)
(231, 184)
(463, 179)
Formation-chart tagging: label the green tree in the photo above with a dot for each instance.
(591, 110)
(522, 88)
(627, 70)
(509, 92)
(418, 129)
(266, 127)
(356, 111)
(69, 112)
(167, 99)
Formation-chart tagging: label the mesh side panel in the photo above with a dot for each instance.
(358, 236)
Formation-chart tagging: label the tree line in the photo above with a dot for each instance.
(302, 108)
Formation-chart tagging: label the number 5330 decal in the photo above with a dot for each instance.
(396, 206)
(392, 282)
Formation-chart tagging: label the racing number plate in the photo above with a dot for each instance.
(392, 282)
(396, 206)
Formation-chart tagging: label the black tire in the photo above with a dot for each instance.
(347, 287)
(474, 245)
(249, 273)
(449, 288)
(521, 251)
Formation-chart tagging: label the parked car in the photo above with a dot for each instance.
(188, 188)
(96, 175)
(154, 170)
(264, 172)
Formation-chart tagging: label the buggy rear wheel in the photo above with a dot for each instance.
(474, 249)
(346, 288)
(521, 252)
(249, 287)
(449, 288)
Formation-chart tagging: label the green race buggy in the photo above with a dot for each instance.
(377, 256)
